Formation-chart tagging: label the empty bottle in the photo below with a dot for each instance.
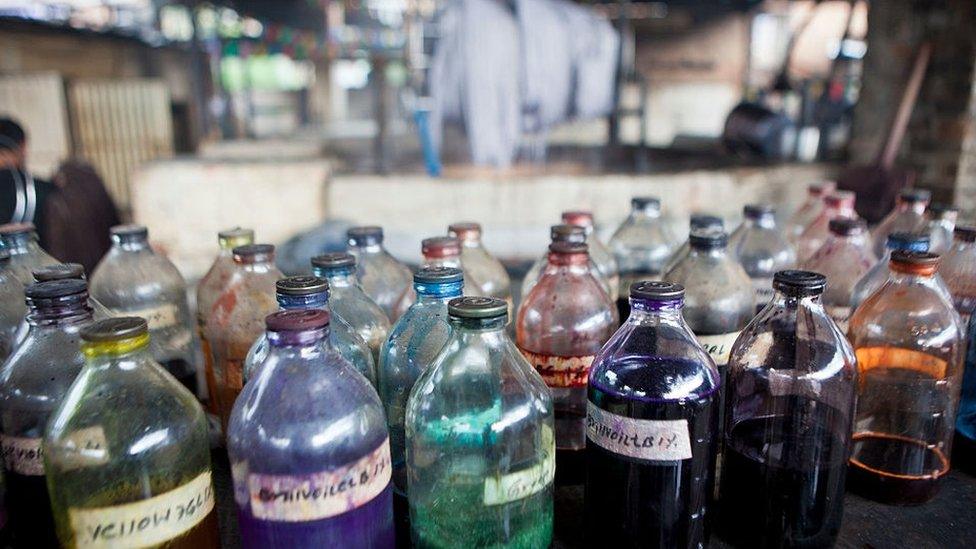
(809, 210)
(349, 301)
(562, 324)
(236, 319)
(837, 205)
(208, 290)
(909, 347)
(601, 255)
(415, 339)
(844, 258)
(879, 273)
(641, 246)
(20, 241)
(485, 272)
(762, 249)
(703, 224)
(383, 278)
(652, 423)
(308, 445)
(33, 382)
(133, 280)
(941, 224)
(126, 453)
(311, 292)
(562, 233)
(480, 444)
(12, 308)
(907, 217)
(788, 417)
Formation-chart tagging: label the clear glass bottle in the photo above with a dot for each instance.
(480, 444)
(236, 319)
(561, 326)
(909, 347)
(415, 340)
(762, 249)
(33, 382)
(704, 224)
(641, 246)
(441, 251)
(383, 278)
(308, 445)
(601, 255)
(126, 454)
(837, 205)
(844, 258)
(20, 240)
(789, 412)
(12, 308)
(651, 428)
(132, 280)
(877, 275)
(349, 301)
(941, 223)
(312, 292)
(208, 290)
(484, 271)
(808, 211)
(907, 217)
(562, 233)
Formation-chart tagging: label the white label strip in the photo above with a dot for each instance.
(22, 455)
(652, 440)
(162, 316)
(527, 482)
(719, 347)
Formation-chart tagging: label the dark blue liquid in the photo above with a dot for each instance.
(966, 419)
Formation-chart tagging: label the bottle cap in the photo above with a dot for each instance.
(708, 241)
(966, 233)
(580, 218)
(11, 229)
(61, 271)
(232, 238)
(939, 209)
(568, 248)
(846, 226)
(300, 320)
(334, 260)
(837, 199)
(114, 329)
(130, 230)
(301, 285)
(794, 282)
(467, 230)
(641, 202)
(915, 195)
(477, 307)
(253, 253)
(365, 235)
(568, 233)
(56, 289)
(755, 211)
(918, 242)
(440, 246)
(706, 222)
(438, 275)
(657, 291)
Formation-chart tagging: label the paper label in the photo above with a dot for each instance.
(561, 371)
(162, 316)
(763, 289)
(511, 487)
(145, 523)
(840, 314)
(719, 347)
(647, 439)
(322, 495)
(22, 455)
(84, 448)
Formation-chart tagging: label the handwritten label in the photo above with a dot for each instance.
(561, 371)
(161, 316)
(652, 440)
(503, 489)
(840, 315)
(763, 289)
(718, 346)
(145, 523)
(84, 448)
(322, 495)
(22, 455)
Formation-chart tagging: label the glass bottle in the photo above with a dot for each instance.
(208, 290)
(762, 250)
(350, 302)
(308, 445)
(561, 326)
(788, 417)
(312, 292)
(414, 341)
(909, 347)
(33, 382)
(809, 210)
(440, 251)
(601, 255)
(485, 271)
(562, 233)
(877, 275)
(480, 444)
(11, 306)
(236, 319)
(908, 217)
(844, 258)
(641, 246)
(699, 224)
(126, 454)
(839, 204)
(20, 240)
(132, 280)
(651, 428)
(383, 278)
(941, 224)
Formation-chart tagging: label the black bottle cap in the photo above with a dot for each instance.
(114, 329)
(300, 320)
(301, 285)
(568, 233)
(797, 283)
(55, 289)
(914, 258)
(708, 241)
(755, 211)
(365, 235)
(12, 229)
(130, 230)
(568, 248)
(706, 222)
(251, 250)
(845, 226)
(61, 271)
(477, 307)
(657, 291)
(438, 275)
(641, 202)
(334, 260)
(915, 195)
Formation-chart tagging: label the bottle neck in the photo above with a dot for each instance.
(20, 244)
(306, 338)
(366, 248)
(790, 301)
(438, 291)
(130, 243)
(310, 301)
(716, 253)
(644, 308)
(453, 261)
(647, 212)
(342, 277)
(914, 207)
(261, 266)
(765, 221)
(116, 349)
(569, 262)
(487, 327)
(63, 314)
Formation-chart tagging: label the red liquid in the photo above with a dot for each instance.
(894, 487)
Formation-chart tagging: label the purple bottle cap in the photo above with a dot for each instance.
(303, 320)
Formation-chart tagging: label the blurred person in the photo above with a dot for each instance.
(80, 213)
(23, 197)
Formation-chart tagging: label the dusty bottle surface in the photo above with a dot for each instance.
(484, 271)
(308, 445)
(762, 249)
(877, 275)
(20, 241)
(12, 308)
(958, 269)
(808, 211)
(562, 233)
(909, 347)
(641, 245)
(135, 479)
(606, 264)
(837, 205)
(651, 427)
(907, 217)
(941, 224)
(844, 258)
(700, 224)
(789, 414)
(384, 279)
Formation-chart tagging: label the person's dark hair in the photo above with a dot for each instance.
(12, 134)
